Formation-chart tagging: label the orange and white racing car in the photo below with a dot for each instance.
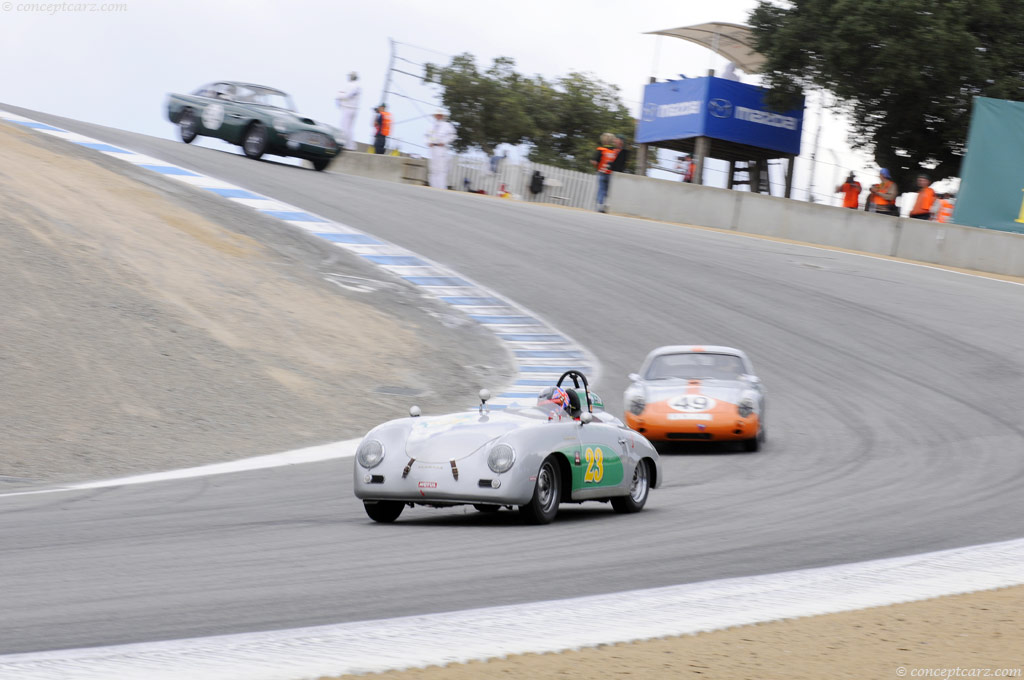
(697, 393)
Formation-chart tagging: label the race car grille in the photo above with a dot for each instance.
(312, 139)
(689, 435)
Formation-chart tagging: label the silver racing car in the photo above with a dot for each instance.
(565, 448)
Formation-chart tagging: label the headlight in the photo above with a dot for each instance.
(746, 407)
(370, 453)
(280, 124)
(501, 458)
(637, 404)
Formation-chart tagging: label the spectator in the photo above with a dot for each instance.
(440, 136)
(348, 102)
(882, 198)
(381, 128)
(944, 213)
(602, 161)
(851, 192)
(923, 206)
(621, 156)
(685, 166)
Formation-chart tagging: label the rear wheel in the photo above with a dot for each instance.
(384, 512)
(255, 142)
(188, 126)
(639, 489)
(321, 164)
(543, 507)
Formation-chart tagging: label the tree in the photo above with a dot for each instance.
(560, 120)
(904, 70)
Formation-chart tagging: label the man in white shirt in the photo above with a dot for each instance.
(439, 138)
(348, 102)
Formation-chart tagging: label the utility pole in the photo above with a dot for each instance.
(387, 76)
(814, 153)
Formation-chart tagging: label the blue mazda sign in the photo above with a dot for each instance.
(720, 109)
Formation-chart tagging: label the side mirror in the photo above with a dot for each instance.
(753, 379)
(635, 377)
(586, 417)
(484, 395)
(414, 411)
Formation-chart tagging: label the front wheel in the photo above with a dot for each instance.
(543, 507)
(320, 164)
(754, 444)
(384, 512)
(255, 143)
(188, 126)
(639, 489)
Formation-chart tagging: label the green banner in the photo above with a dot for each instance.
(992, 175)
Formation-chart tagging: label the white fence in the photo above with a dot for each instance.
(564, 187)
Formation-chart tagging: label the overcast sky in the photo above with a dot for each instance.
(116, 66)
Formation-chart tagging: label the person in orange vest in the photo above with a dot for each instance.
(922, 209)
(882, 197)
(851, 192)
(602, 160)
(945, 211)
(381, 128)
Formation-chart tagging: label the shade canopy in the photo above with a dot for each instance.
(732, 41)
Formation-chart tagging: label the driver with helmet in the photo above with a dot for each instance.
(553, 398)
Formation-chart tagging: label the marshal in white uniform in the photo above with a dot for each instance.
(348, 101)
(439, 138)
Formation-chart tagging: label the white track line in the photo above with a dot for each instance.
(312, 454)
(417, 641)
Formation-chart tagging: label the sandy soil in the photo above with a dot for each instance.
(978, 633)
(139, 335)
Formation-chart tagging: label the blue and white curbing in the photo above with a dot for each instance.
(540, 352)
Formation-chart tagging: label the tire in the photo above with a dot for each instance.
(320, 164)
(753, 445)
(639, 490)
(547, 494)
(254, 144)
(384, 512)
(482, 507)
(188, 126)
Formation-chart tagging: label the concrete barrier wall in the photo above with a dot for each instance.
(389, 168)
(946, 244)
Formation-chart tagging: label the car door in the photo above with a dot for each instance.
(237, 114)
(600, 471)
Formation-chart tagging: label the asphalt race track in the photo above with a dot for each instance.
(894, 402)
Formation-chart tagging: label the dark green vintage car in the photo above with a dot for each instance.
(260, 119)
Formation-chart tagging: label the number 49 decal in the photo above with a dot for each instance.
(595, 465)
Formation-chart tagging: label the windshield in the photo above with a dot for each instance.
(265, 97)
(695, 365)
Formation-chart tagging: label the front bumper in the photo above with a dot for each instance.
(658, 427)
(435, 484)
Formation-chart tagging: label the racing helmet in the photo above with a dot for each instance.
(553, 397)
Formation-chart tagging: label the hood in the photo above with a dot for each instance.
(730, 391)
(442, 438)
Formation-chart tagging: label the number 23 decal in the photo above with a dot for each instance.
(595, 465)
